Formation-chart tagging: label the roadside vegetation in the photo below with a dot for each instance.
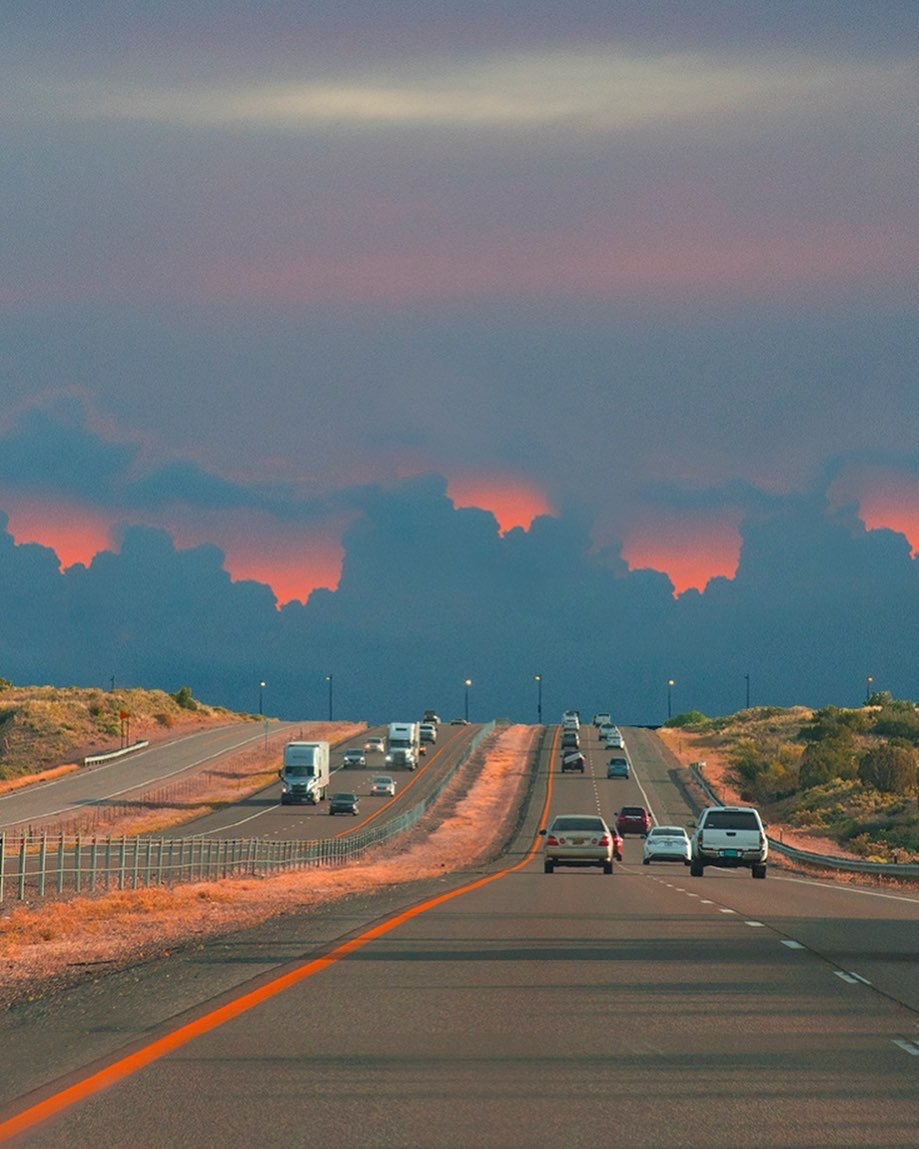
(47, 728)
(846, 775)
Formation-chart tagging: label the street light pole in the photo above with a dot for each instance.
(747, 678)
(261, 692)
(468, 683)
(669, 699)
(868, 681)
(538, 678)
(328, 679)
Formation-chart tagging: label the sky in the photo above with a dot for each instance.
(415, 342)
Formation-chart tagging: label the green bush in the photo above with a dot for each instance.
(185, 699)
(689, 718)
(833, 757)
(898, 721)
(890, 768)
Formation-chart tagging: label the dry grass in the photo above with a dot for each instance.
(45, 727)
(55, 945)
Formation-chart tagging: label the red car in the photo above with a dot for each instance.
(617, 843)
(633, 820)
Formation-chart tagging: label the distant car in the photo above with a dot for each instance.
(578, 840)
(354, 757)
(431, 716)
(614, 742)
(344, 804)
(617, 767)
(383, 785)
(607, 730)
(633, 820)
(459, 722)
(666, 844)
(375, 745)
(602, 719)
(427, 732)
(574, 760)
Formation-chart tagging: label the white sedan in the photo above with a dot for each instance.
(666, 844)
(383, 786)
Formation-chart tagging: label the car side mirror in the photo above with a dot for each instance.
(281, 773)
(542, 831)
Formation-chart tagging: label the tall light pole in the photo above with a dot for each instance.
(868, 681)
(468, 683)
(747, 680)
(261, 698)
(328, 679)
(669, 699)
(538, 680)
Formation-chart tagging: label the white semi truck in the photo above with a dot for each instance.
(305, 773)
(402, 744)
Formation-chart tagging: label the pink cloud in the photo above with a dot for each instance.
(514, 501)
(689, 548)
(886, 498)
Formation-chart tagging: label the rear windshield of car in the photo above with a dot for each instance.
(632, 811)
(667, 832)
(593, 824)
(731, 820)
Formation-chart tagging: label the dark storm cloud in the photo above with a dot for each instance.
(431, 595)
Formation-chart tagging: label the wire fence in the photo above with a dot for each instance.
(37, 865)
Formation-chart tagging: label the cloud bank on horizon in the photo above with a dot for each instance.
(640, 280)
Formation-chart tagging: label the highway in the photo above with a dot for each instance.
(505, 1007)
(130, 775)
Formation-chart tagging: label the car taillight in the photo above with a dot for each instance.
(604, 841)
(552, 840)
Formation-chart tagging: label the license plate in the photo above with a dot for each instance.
(578, 841)
(730, 853)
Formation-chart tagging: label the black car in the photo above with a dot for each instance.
(344, 804)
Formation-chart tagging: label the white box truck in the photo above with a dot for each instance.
(305, 773)
(402, 744)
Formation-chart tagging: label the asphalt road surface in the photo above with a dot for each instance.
(505, 1008)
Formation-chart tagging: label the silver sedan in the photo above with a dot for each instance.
(666, 844)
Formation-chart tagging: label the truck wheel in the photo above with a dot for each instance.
(646, 861)
(696, 869)
(607, 867)
(549, 866)
(759, 869)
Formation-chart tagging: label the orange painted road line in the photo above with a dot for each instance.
(133, 1062)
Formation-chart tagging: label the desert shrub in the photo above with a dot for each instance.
(890, 768)
(5, 684)
(184, 698)
(832, 757)
(898, 721)
(162, 719)
(689, 718)
(828, 722)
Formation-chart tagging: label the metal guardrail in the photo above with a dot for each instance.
(41, 865)
(92, 759)
(824, 861)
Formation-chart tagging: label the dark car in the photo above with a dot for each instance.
(633, 820)
(344, 804)
(617, 767)
(574, 760)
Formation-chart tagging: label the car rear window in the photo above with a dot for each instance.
(632, 811)
(594, 824)
(731, 820)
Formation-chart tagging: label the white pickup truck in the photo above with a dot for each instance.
(730, 837)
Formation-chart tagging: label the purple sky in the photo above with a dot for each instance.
(647, 267)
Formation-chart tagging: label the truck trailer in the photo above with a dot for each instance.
(305, 773)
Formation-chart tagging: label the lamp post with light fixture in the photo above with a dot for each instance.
(669, 699)
(538, 680)
(467, 683)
